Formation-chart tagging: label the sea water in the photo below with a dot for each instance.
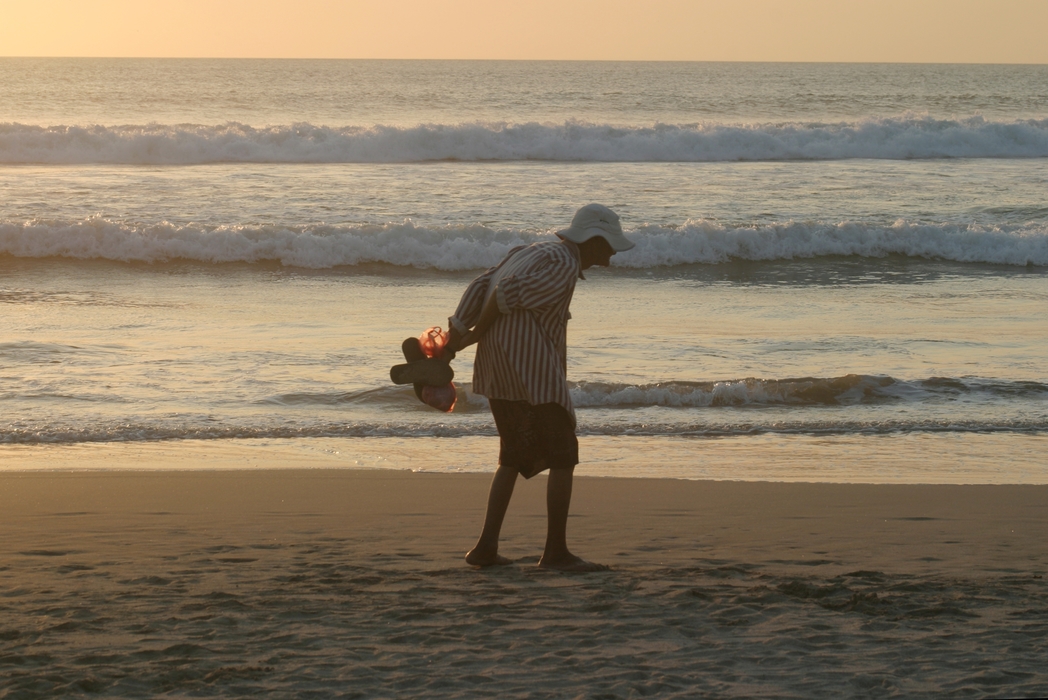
(841, 271)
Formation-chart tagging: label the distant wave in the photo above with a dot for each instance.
(456, 247)
(181, 144)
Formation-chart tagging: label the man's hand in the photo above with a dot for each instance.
(454, 343)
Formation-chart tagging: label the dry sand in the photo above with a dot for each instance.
(339, 583)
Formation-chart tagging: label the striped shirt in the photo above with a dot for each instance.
(524, 354)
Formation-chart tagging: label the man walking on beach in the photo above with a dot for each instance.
(518, 312)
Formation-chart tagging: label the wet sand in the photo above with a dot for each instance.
(342, 583)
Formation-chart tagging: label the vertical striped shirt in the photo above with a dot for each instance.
(524, 355)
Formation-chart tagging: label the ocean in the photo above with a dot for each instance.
(840, 272)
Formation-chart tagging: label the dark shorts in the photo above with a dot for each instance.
(534, 438)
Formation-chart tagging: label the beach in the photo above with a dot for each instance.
(351, 583)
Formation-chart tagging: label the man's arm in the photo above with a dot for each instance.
(488, 315)
(542, 285)
(471, 306)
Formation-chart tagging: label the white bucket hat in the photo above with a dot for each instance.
(597, 220)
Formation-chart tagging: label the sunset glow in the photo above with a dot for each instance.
(937, 31)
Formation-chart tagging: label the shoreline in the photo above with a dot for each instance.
(937, 458)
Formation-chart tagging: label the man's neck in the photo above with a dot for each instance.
(576, 253)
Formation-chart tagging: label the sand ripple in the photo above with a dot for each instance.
(308, 619)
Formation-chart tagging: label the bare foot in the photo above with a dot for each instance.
(571, 563)
(481, 559)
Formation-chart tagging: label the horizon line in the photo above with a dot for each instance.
(530, 60)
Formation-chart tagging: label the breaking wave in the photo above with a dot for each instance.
(457, 247)
(183, 144)
(798, 406)
(851, 389)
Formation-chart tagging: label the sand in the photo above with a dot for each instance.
(343, 583)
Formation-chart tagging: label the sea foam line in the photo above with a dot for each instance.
(799, 392)
(470, 247)
(906, 137)
(147, 432)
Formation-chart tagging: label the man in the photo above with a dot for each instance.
(518, 312)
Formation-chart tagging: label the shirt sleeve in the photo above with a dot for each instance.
(542, 285)
(468, 311)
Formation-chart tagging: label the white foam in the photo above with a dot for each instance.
(129, 432)
(891, 138)
(709, 242)
(738, 392)
(451, 248)
(457, 247)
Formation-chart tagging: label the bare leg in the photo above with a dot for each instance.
(486, 553)
(558, 500)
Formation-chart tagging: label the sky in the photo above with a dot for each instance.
(918, 31)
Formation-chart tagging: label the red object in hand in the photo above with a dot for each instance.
(442, 398)
(433, 341)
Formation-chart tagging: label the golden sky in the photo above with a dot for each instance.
(937, 31)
